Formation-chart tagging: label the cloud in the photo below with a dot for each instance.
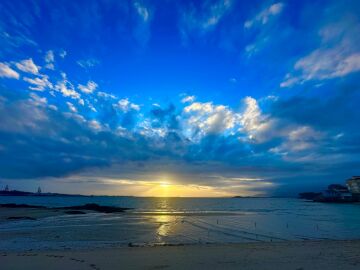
(337, 56)
(67, 89)
(88, 88)
(105, 95)
(201, 119)
(265, 15)
(38, 101)
(125, 105)
(300, 139)
(189, 99)
(142, 11)
(50, 60)
(62, 53)
(88, 63)
(251, 116)
(39, 83)
(265, 30)
(71, 107)
(204, 18)
(7, 72)
(28, 66)
(200, 143)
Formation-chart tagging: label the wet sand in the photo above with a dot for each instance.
(24, 254)
(285, 255)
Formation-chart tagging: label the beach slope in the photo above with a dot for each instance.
(285, 255)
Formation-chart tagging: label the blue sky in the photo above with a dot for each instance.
(181, 98)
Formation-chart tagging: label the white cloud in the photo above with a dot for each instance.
(49, 59)
(187, 99)
(62, 53)
(323, 64)
(125, 105)
(204, 20)
(39, 83)
(53, 107)
(28, 66)
(88, 63)
(200, 119)
(142, 11)
(217, 11)
(88, 88)
(337, 56)
(95, 125)
(251, 117)
(7, 72)
(37, 100)
(105, 95)
(49, 56)
(146, 129)
(299, 139)
(264, 16)
(66, 88)
(71, 107)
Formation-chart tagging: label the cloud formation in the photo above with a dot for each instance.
(265, 15)
(7, 72)
(49, 59)
(337, 56)
(128, 123)
(204, 18)
(28, 66)
(88, 88)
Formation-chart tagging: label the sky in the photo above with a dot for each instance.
(179, 98)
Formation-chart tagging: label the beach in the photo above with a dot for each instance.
(286, 255)
(288, 235)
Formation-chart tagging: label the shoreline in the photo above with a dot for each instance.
(325, 254)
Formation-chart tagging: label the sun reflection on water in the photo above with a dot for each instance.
(164, 219)
(165, 224)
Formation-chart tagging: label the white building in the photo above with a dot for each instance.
(353, 185)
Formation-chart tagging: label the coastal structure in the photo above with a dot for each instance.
(337, 192)
(353, 185)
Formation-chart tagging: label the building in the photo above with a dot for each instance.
(337, 192)
(353, 185)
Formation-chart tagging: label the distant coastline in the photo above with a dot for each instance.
(26, 193)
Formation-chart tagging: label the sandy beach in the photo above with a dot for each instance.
(46, 238)
(286, 255)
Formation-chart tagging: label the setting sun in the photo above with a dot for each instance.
(167, 189)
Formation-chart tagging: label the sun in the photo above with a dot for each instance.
(165, 189)
(164, 184)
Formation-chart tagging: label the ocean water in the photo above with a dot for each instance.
(155, 221)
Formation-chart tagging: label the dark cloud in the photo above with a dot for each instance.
(37, 141)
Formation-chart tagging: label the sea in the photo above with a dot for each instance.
(179, 221)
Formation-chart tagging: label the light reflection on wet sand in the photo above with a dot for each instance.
(166, 224)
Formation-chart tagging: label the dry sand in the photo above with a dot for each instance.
(285, 255)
